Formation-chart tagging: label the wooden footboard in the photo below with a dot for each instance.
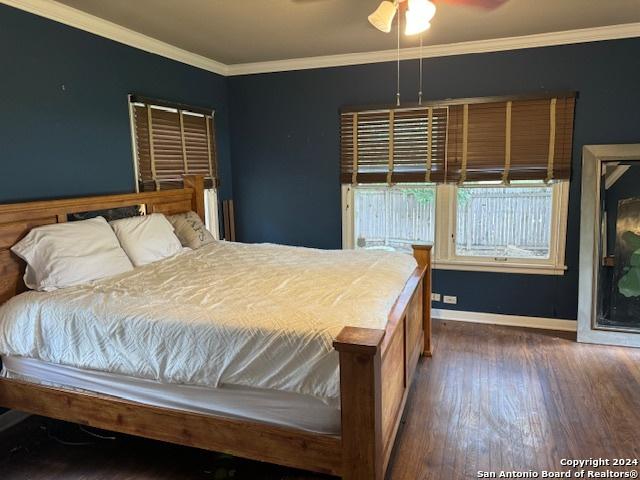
(376, 370)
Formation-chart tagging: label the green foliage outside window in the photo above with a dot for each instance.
(464, 194)
(422, 195)
(629, 284)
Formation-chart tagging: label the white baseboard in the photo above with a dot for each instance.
(510, 320)
(11, 418)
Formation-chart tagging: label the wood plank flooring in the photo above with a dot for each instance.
(492, 398)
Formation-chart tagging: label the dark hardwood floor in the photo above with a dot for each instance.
(492, 398)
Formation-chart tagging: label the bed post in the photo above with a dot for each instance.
(196, 182)
(422, 254)
(361, 402)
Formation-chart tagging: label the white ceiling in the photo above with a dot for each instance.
(245, 31)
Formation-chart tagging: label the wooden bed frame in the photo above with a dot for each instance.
(376, 366)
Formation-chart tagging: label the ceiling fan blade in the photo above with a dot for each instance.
(485, 4)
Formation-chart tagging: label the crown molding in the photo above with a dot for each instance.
(90, 23)
(610, 32)
(84, 21)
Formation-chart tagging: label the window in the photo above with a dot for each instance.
(518, 228)
(500, 169)
(393, 218)
(171, 140)
(503, 222)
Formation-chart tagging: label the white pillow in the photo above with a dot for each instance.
(146, 239)
(67, 254)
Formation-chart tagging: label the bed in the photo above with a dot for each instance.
(322, 383)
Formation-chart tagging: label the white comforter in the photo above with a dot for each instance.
(255, 315)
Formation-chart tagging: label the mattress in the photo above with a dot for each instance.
(227, 314)
(272, 407)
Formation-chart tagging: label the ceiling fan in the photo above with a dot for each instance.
(418, 13)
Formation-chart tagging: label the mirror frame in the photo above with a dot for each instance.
(593, 156)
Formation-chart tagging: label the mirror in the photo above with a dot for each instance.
(618, 305)
(609, 286)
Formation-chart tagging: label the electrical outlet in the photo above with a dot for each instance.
(450, 299)
(435, 297)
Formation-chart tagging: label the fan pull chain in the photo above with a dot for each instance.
(420, 85)
(398, 60)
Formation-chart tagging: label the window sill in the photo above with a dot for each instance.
(511, 267)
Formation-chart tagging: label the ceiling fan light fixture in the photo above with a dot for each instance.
(416, 24)
(419, 16)
(382, 18)
(423, 7)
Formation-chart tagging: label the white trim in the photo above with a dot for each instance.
(445, 222)
(508, 320)
(610, 32)
(84, 21)
(11, 418)
(90, 23)
(560, 230)
(347, 216)
(505, 267)
(134, 143)
(211, 214)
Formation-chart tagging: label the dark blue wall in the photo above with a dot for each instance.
(64, 118)
(285, 144)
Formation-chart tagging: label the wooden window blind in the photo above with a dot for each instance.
(393, 145)
(511, 140)
(171, 142)
(457, 141)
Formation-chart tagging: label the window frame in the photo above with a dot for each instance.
(211, 213)
(348, 207)
(445, 257)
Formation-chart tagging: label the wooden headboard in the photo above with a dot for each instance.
(17, 219)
